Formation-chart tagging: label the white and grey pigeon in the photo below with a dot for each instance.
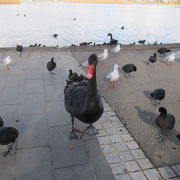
(7, 61)
(103, 56)
(113, 76)
(116, 49)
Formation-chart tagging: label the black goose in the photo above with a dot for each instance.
(112, 41)
(163, 51)
(142, 41)
(83, 101)
(165, 122)
(158, 95)
(8, 137)
(51, 65)
(19, 48)
(152, 59)
(128, 68)
(1, 122)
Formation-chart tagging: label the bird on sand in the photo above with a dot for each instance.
(165, 122)
(163, 51)
(116, 49)
(158, 95)
(152, 59)
(7, 61)
(51, 65)
(113, 76)
(128, 68)
(8, 136)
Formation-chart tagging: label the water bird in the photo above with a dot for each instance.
(35, 45)
(1, 122)
(85, 43)
(19, 48)
(122, 27)
(39, 45)
(113, 76)
(112, 41)
(142, 41)
(102, 57)
(83, 100)
(169, 59)
(55, 35)
(8, 136)
(165, 122)
(24, 15)
(128, 68)
(116, 49)
(17, 14)
(152, 59)
(163, 51)
(51, 65)
(158, 95)
(7, 61)
(74, 19)
(178, 136)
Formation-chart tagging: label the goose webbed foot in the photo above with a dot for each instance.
(8, 151)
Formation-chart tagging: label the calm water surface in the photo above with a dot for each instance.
(93, 22)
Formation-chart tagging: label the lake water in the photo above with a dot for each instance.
(93, 22)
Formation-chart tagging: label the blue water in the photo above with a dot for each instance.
(93, 22)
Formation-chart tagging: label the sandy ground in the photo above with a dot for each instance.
(131, 99)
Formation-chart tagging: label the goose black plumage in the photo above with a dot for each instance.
(165, 122)
(19, 48)
(158, 95)
(128, 68)
(85, 43)
(142, 41)
(152, 59)
(82, 99)
(178, 136)
(8, 136)
(51, 65)
(112, 41)
(163, 51)
(55, 35)
(1, 122)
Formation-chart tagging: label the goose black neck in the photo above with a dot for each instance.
(92, 88)
(110, 36)
(163, 114)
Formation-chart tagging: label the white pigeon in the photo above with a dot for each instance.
(116, 49)
(103, 56)
(113, 76)
(169, 59)
(7, 61)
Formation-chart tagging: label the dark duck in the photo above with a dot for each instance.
(1, 122)
(152, 59)
(158, 95)
(83, 100)
(165, 122)
(128, 68)
(163, 51)
(112, 41)
(19, 48)
(51, 65)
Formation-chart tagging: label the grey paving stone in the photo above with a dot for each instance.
(177, 169)
(51, 79)
(100, 165)
(118, 168)
(137, 153)
(54, 92)
(7, 178)
(145, 163)
(33, 74)
(76, 172)
(123, 177)
(178, 178)
(104, 140)
(11, 96)
(32, 164)
(56, 114)
(137, 176)
(152, 174)
(131, 166)
(108, 148)
(126, 156)
(115, 138)
(33, 131)
(132, 145)
(113, 158)
(11, 83)
(107, 125)
(120, 146)
(166, 172)
(126, 137)
(66, 152)
(34, 86)
(33, 104)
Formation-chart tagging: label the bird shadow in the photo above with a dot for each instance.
(147, 93)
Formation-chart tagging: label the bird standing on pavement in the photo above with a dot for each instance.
(102, 57)
(7, 61)
(152, 59)
(128, 68)
(19, 48)
(51, 65)
(158, 95)
(116, 49)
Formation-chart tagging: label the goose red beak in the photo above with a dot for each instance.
(90, 71)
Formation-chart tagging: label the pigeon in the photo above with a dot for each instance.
(7, 61)
(158, 95)
(51, 65)
(8, 136)
(113, 76)
(116, 49)
(152, 59)
(128, 68)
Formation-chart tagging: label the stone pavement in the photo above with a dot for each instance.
(31, 99)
